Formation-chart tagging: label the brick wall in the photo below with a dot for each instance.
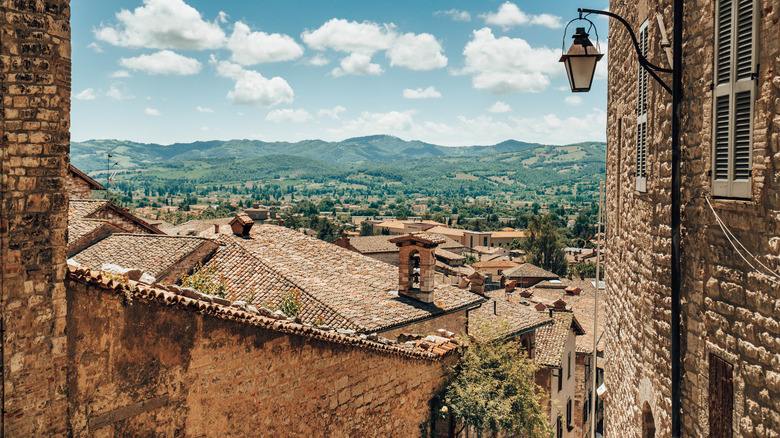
(147, 368)
(34, 118)
(728, 308)
(77, 188)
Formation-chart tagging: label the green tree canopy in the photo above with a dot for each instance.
(543, 247)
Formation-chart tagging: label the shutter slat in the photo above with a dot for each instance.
(724, 42)
(742, 136)
(721, 138)
(744, 39)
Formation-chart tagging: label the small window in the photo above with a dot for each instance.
(568, 373)
(560, 379)
(641, 115)
(559, 427)
(721, 397)
(733, 98)
(568, 414)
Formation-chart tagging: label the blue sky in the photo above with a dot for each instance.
(445, 72)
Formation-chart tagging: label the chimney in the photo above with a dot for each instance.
(241, 224)
(216, 228)
(540, 307)
(416, 265)
(477, 282)
(559, 306)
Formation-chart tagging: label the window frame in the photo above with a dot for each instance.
(643, 87)
(731, 91)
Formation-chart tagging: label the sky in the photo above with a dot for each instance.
(446, 72)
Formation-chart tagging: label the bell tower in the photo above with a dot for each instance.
(416, 265)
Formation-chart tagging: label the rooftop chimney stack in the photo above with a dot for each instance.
(241, 224)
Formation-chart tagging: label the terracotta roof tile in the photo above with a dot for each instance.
(210, 309)
(527, 270)
(500, 317)
(551, 340)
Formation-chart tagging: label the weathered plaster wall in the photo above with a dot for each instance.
(728, 308)
(145, 369)
(35, 121)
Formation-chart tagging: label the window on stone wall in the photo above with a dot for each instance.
(568, 372)
(560, 379)
(568, 415)
(733, 99)
(721, 397)
(641, 115)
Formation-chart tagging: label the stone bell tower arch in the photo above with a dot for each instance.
(417, 265)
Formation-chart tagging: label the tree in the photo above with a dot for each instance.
(494, 391)
(543, 247)
(366, 229)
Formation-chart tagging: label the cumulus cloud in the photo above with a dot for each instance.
(350, 36)
(318, 61)
(509, 15)
(114, 92)
(153, 112)
(249, 48)
(591, 126)
(362, 40)
(455, 14)
(88, 94)
(573, 100)
(333, 113)
(288, 115)
(417, 52)
(203, 109)
(500, 107)
(252, 88)
(163, 24)
(120, 74)
(419, 93)
(504, 65)
(95, 46)
(372, 123)
(357, 64)
(163, 62)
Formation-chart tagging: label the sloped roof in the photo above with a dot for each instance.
(89, 209)
(495, 264)
(500, 317)
(551, 339)
(360, 289)
(443, 253)
(509, 234)
(151, 253)
(372, 244)
(420, 350)
(78, 228)
(198, 226)
(94, 185)
(527, 270)
(447, 231)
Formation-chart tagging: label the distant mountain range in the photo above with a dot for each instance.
(92, 155)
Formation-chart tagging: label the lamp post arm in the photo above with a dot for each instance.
(647, 65)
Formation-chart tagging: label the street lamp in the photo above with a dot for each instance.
(676, 92)
(580, 61)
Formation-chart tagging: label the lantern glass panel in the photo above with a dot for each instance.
(580, 70)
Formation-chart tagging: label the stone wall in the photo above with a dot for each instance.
(728, 307)
(35, 119)
(454, 322)
(143, 367)
(77, 188)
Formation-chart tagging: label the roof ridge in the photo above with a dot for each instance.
(157, 235)
(284, 275)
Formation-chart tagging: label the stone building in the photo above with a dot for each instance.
(730, 222)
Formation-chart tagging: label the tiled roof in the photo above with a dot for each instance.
(373, 244)
(151, 253)
(443, 253)
(360, 289)
(509, 234)
(89, 209)
(551, 340)
(495, 264)
(446, 241)
(527, 270)
(424, 349)
(205, 226)
(447, 231)
(500, 317)
(78, 228)
(94, 185)
(249, 279)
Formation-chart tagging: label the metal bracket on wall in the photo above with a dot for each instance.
(665, 44)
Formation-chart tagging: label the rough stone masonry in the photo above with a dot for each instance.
(730, 310)
(35, 86)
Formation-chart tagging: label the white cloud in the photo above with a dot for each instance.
(120, 74)
(163, 24)
(333, 113)
(153, 112)
(417, 52)
(509, 15)
(119, 94)
(318, 61)
(373, 123)
(222, 17)
(573, 100)
(252, 88)
(357, 64)
(203, 109)
(455, 14)
(163, 62)
(504, 65)
(88, 94)
(552, 129)
(500, 107)
(95, 46)
(350, 36)
(288, 115)
(204, 128)
(249, 48)
(419, 93)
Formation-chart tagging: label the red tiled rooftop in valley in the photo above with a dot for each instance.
(500, 317)
(152, 253)
(377, 244)
(101, 209)
(425, 349)
(527, 270)
(551, 339)
(361, 290)
(495, 264)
